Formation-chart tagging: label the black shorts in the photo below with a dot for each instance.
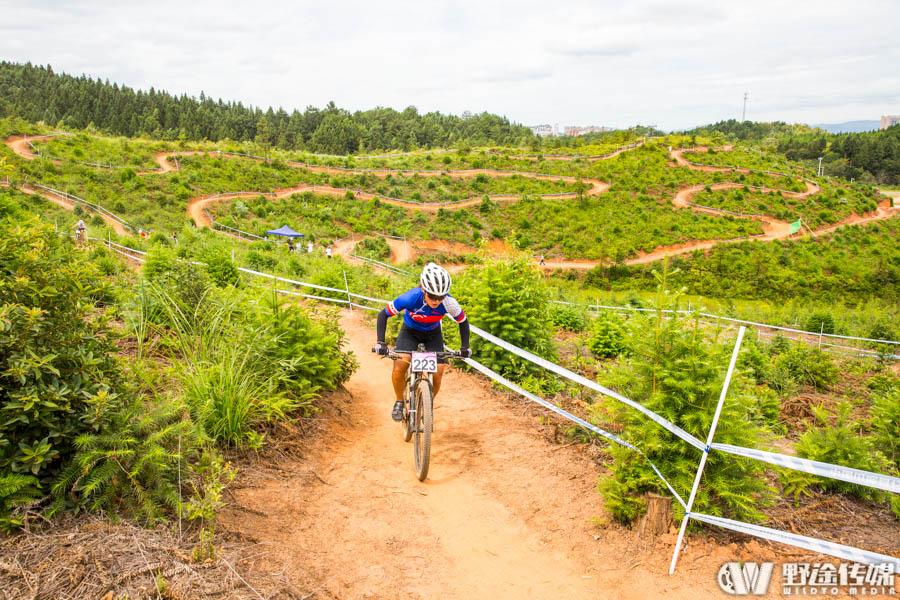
(409, 339)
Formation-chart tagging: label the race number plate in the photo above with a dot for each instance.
(424, 362)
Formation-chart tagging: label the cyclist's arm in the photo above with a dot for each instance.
(395, 307)
(381, 324)
(464, 334)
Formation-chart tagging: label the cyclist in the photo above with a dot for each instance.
(425, 306)
(80, 231)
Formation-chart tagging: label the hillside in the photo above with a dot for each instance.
(208, 363)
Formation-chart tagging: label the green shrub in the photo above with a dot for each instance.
(108, 265)
(374, 247)
(568, 318)
(755, 361)
(842, 444)
(820, 322)
(607, 337)
(508, 298)
(57, 370)
(808, 365)
(885, 421)
(16, 490)
(261, 262)
(305, 343)
(160, 261)
(158, 239)
(222, 271)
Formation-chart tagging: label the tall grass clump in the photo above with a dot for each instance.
(247, 357)
(227, 387)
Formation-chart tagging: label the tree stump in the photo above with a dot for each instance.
(658, 518)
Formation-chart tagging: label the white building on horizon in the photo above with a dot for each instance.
(888, 121)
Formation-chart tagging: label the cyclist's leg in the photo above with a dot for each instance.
(406, 341)
(398, 378)
(436, 382)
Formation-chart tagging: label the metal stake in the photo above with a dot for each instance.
(349, 301)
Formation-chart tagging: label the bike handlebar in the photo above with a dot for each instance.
(395, 354)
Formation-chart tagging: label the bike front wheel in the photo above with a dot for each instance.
(422, 422)
(406, 422)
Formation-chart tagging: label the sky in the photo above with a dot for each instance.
(672, 64)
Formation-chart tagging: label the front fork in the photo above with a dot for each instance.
(409, 406)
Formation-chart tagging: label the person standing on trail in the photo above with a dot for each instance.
(175, 237)
(328, 251)
(425, 306)
(542, 260)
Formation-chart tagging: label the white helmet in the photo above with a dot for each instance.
(435, 280)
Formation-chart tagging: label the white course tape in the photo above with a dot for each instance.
(801, 541)
(671, 427)
(552, 407)
(312, 285)
(850, 475)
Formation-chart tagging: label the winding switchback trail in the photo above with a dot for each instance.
(504, 513)
(67, 204)
(773, 228)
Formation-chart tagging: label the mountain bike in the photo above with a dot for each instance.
(418, 402)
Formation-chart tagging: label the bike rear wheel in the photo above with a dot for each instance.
(422, 421)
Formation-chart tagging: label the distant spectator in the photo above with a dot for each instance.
(175, 237)
(290, 245)
(542, 260)
(309, 247)
(328, 251)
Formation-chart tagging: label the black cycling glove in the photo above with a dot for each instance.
(380, 349)
(465, 352)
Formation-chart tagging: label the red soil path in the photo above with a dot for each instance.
(572, 157)
(70, 205)
(773, 228)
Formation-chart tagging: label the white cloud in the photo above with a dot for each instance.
(577, 62)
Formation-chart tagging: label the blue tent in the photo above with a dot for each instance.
(284, 231)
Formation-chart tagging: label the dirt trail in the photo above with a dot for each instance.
(19, 144)
(773, 228)
(503, 514)
(571, 156)
(682, 162)
(70, 205)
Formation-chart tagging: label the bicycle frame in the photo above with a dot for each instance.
(414, 424)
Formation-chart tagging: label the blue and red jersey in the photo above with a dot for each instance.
(419, 315)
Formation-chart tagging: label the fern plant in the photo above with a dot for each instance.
(842, 444)
(607, 337)
(132, 466)
(508, 298)
(678, 374)
(885, 421)
(16, 491)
